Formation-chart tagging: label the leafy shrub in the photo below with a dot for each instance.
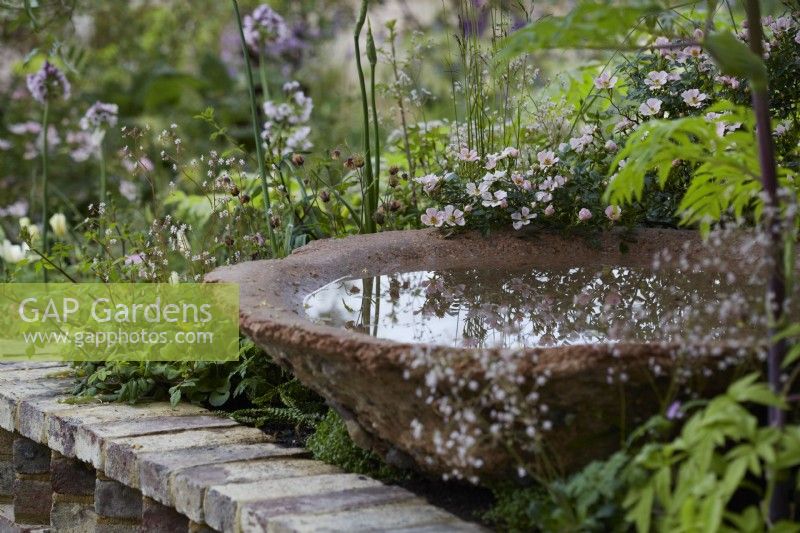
(716, 474)
(590, 500)
(721, 452)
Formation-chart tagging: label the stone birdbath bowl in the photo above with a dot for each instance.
(381, 393)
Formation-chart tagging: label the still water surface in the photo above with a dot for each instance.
(536, 307)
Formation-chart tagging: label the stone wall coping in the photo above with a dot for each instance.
(217, 473)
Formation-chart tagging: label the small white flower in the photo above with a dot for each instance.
(520, 181)
(432, 218)
(494, 200)
(605, 81)
(547, 158)
(662, 46)
(58, 223)
(623, 124)
(584, 214)
(693, 97)
(174, 278)
(453, 216)
(465, 154)
(549, 210)
(544, 197)
(32, 229)
(611, 146)
(729, 81)
(613, 212)
(13, 253)
(478, 190)
(651, 107)
(656, 79)
(429, 182)
(780, 25)
(510, 151)
(690, 52)
(579, 144)
(522, 217)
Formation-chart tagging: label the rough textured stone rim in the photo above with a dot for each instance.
(353, 370)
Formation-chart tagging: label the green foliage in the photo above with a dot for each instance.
(590, 500)
(735, 58)
(278, 400)
(715, 475)
(725, 168)
(332, 444)
(688, 484)
(598, 24)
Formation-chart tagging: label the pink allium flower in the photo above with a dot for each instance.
(48, 83)
(264, 27)
(99, 114)
(549, 210)
(584, 214)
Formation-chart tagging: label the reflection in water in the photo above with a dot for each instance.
(538, 307)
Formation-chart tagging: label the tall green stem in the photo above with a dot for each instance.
(369, 208)
(262, 171)
(372, 55)
(262, 71)
(45, 149)
(103, 178)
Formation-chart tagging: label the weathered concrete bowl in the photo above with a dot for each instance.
(363, 376)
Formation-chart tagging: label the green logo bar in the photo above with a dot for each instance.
(119, 321)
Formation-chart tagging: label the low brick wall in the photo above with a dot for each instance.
(118, 468)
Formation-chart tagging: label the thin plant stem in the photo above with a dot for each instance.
(45, 149)
(376, 177)
(262, 171)
(103, 176)
(369, 208)
(776, 291)
(262, 71)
